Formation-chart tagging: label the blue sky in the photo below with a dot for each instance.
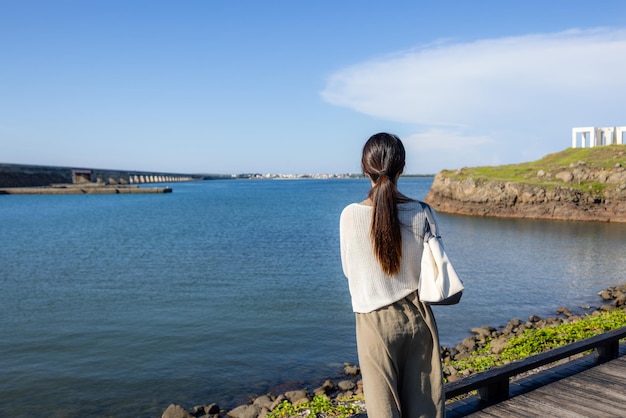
(299, 86)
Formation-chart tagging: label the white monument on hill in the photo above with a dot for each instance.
(593, 137)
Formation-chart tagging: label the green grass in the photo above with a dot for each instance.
(597, 158)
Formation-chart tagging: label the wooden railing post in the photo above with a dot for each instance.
(495, 392)
(607, 351)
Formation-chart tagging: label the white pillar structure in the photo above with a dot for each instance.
(606, 136)
(591, 132)
(619, 134)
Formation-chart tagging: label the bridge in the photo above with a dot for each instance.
(18, 175)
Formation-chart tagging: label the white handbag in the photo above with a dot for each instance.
(438, 284)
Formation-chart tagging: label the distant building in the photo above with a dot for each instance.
(594, 137)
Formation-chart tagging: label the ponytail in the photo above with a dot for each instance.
(383, 162)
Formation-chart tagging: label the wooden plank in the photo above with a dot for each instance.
(617, 370)
(579, 399)
(533, 406)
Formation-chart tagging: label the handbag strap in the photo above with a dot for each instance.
(430, 220)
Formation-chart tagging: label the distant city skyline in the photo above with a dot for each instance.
(298, 87)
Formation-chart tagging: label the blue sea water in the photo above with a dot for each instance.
(117, 305)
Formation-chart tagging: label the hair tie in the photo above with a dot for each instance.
(381, 172)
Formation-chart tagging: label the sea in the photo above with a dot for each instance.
(118, 305)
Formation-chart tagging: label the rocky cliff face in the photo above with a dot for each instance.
(545, 194)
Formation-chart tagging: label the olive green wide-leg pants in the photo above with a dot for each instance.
(398, 349)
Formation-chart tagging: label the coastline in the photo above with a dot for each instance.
(348, 389)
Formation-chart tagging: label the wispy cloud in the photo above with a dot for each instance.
(526, 91)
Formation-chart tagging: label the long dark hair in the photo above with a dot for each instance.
(383, 161)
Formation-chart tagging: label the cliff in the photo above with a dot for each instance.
(583, 184)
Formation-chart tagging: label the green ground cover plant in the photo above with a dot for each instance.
(535, 341)
(319, 406)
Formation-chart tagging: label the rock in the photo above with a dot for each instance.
(605, 295)
(296, 395)
(263, 401)
(453, 351)
(620, 301)
(359, 388)
(497, 345)
(212, 409)
(346, 385)
(469, 344)
(515, 322)
(279, 399)
(301, 401)
(176, 411)
(244, 411)
(450, 371)
(564, 176)
(564, 311)
(484, 332)
(326, 387)
(351, 370)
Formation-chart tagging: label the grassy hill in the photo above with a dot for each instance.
(587, 184)
(543, 172)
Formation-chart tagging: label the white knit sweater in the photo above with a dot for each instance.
(370, 287)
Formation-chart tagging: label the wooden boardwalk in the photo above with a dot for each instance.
(576, 389)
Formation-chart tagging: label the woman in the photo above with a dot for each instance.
(381, 247)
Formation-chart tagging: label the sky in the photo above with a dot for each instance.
(298, 86)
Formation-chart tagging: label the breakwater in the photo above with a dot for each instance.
(20, 175)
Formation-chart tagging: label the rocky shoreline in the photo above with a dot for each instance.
(349, 388)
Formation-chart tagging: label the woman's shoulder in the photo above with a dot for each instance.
(356, 206)
(356, 210)
(414, 205)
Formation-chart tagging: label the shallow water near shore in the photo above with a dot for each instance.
(117, 305)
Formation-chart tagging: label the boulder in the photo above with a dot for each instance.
(176, 411)
(244, 411)
(497, 345)
(346, 385)
(351, 370)
(297, 395)
(264, 401)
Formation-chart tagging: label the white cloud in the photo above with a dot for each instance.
(432, 150)
(528, 91)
